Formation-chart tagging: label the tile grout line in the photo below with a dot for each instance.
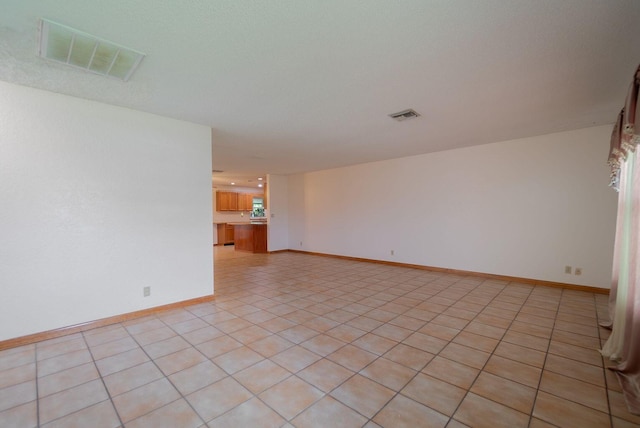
(104, 385)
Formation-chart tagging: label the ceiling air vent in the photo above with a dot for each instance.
(404, 115)
(217, 171)
(81, 50)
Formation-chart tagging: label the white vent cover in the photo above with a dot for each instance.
(404, 115)
(81, 50)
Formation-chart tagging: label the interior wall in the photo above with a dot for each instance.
(524, 208)
(278, 216)
(97, 202)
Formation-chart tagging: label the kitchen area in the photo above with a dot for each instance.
(239, 217)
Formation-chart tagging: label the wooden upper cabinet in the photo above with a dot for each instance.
(226, 201)
(245, 202)
(232, 201)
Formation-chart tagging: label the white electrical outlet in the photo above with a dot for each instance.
(392, 252)
(301, 243)
(567, 269)
(578, 271)
(146, 291)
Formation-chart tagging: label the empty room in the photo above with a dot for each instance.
(319, 214)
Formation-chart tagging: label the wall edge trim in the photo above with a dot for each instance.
(530, 281)
(89, 325)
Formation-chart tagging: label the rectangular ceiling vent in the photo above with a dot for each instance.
(69, 46)
(404, 115)
(217, 171)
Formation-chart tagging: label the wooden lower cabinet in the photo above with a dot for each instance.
(251, 237)
(225, 233)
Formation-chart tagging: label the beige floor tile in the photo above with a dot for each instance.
(621, 423)
(66, 379)
(99, 336)
(439, 331)
(539, 423)
(388, 373)
(24, 415)
(619, 408)
(575, 339)
(504, 391)
(166, 347)
(217, 398)
(565, 413)
(121, 361)
(271, 345)
(13, 357)
(326, 412)
(364, 323)
(393, 332)
(278, 314)
(175, 414)
(232, 325)
(202, 335)
(434, 393)
(71, 400)
(188, 326)
(408, 322)
(63, 362)
(579, 353)
(250, 334)
(513, 370)
(521, 354)
(562, 386)
(252, 413)
(153, 336)
(237, 359)
(363, 395)
(261, 376)
(575, 369)
(450, 371)
(295, 358)
(345, 333)
(325, 375)
(101, 415)
(180, 360)
(291, 396)
(321, 324)
(18, 394)
(409, 356)
(352, 357)
(403, 412)
(465, 355)
(218, 346)
(480, 412)
(197, 377)
(425, 342)
(375, 344)
(298, 334)
(16, 375)
(527, 341)
(323, 344)
(60, 348)
(113, 348)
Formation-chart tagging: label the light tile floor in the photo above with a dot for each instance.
(309, 341)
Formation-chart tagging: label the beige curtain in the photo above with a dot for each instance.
(623, 345)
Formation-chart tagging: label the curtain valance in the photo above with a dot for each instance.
(626, 133)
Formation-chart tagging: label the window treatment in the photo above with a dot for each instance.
(623, 345)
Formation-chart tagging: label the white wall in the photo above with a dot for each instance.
(522, 208)
(278, 217)
(97, 202)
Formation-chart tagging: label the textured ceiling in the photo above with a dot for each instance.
(291, 86)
